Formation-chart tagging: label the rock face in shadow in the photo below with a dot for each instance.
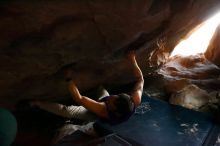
(42, 39)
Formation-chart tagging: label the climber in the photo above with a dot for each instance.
(112, 108)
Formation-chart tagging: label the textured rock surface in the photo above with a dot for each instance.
(213, 51)
(195, 67)
(192, 97)
(41, 39)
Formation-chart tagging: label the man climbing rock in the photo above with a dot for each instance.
(111, 108)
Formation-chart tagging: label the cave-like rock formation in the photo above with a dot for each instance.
(42, 39)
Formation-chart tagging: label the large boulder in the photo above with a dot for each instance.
(42, 39)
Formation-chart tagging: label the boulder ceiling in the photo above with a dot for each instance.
(41, 39)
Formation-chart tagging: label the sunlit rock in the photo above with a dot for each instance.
(190, 67)
(192, 97)
(213, 51)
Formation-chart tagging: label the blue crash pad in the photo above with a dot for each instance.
(157, 123)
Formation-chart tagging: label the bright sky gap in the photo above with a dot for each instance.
(199, 40)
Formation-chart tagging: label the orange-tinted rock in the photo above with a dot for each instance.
(213, 51)
(39, 39)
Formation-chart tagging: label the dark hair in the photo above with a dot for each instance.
(124, 105)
